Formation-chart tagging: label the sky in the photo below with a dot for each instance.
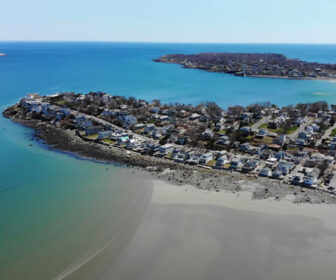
(220, 21)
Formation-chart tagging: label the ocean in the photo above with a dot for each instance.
(54, 208)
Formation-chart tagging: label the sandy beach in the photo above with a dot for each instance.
(188, 233)
(182, 222)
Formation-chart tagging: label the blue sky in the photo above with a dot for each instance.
(253, 21)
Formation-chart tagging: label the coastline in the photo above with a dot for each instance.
(255, 76)
(42, 167)
(175, 173)
(185, 230)
(263, 65)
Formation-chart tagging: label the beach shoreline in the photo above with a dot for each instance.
(191, 230)
(179, 174)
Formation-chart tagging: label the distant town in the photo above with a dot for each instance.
(254, 65)
(292, 144)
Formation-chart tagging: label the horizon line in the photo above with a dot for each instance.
(162, 42)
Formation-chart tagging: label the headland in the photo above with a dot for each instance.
(263, 65)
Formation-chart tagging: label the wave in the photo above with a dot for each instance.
(79, 264)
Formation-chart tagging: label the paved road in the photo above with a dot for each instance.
(255, 127)
(106, 123)
(326, 134)
(295, 134)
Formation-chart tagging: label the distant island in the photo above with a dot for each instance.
(3, 54)
(201, 145)
(267, 65)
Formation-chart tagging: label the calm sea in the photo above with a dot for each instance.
(51, 204)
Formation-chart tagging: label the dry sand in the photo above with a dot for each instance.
(188, 233)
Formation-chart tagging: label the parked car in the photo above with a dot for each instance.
(277, 174)
(296, 180)
(330, 176)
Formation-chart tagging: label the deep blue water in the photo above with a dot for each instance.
(39, 188)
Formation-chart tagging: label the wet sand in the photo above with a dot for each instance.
(189, 233)
(56, 228)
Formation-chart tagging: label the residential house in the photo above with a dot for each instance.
(205, 158)
(249, 166)
(244, 146)
(155, 110)
(194, 116)
(280, 140)
(245, 130)
(149, 128)
(285, 167)
(123, 140)
(300, 142)
(310, 180)
(265, 172)
(128, 119)
(223, 140)
(104, 134)
(236, 163)
(219, 127)
(222, 160)
(93, 129)
(262, 133)
(207, 134)
(165, 149)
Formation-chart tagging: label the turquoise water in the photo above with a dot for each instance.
(127, 69)
(53, 206)
(56, 209)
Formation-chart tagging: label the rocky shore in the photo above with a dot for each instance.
(213, 180)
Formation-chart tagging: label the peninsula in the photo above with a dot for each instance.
(288, 150)
(268, 65)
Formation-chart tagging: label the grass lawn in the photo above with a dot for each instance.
(221, 131)
(139, 131)
(108, 141)
(268, 140)
(92, 136)
(264, 125)
(250, 137)
(289, 130)
(211, 162)
(169, 155)
(227, 165)
(60, 102)
(333, 133)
